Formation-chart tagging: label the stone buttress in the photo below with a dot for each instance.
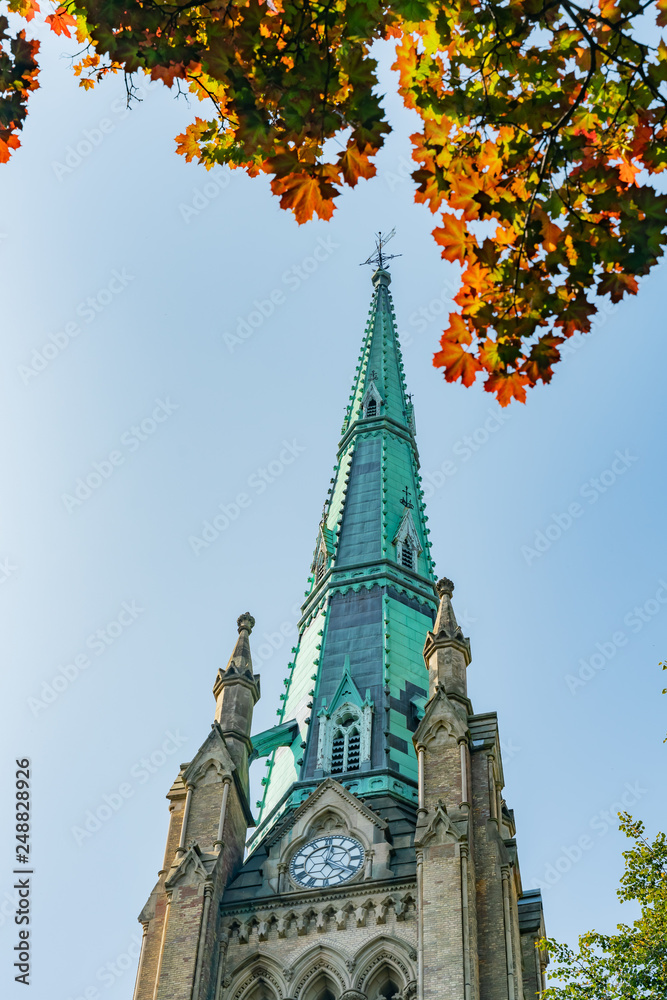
(383, 862)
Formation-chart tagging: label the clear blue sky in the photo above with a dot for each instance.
(141, 271)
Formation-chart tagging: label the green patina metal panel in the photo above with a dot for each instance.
(362, 607)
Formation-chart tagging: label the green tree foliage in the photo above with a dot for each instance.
(632, 963)
(540, 127)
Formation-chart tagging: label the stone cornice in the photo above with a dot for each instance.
(336, 580)
(364, 425)
(287, 899)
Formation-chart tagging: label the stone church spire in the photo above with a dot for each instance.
(370, 599)
(384, 862)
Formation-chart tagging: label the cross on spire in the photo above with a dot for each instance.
(380, 258)
(405, 500)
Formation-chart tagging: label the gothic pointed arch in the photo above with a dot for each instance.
(259, 977)
(385, 967)
(320, 974)
(324, 549)
(344, 736)
(372, 401)
(212, 753)
(407, 542)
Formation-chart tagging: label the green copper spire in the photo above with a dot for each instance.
(357, 682)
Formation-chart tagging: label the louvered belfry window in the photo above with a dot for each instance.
(371, 409)
(346, 746)
(353, 748)
(407, 556)
(338, 754)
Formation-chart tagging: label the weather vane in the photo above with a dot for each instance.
(380, 258)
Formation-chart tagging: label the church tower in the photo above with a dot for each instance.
(381, 863)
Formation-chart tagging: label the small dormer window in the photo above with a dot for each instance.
(321, 565)
(371, 409)
(346, 744)
(407, 543)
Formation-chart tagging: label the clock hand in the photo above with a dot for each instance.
(343, 868)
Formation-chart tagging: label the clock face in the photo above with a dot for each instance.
(327, 861)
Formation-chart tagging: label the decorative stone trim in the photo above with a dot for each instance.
(319, 920)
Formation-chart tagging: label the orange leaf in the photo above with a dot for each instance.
(355, 164)
(464, 190)
(187, 143)
(457, 364)
(457, 331)
(628, 171)
(168, 73)
(305, 195)
(489, 355)
(507, 387)
(662, 16)
(26, 8)
(455, 238)
(617, 285)
(61, 22)
(550, 231)
(609, 9)
(7, 144)
(505, 235)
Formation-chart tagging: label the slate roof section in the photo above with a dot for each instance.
(530, 911)
(249, 884)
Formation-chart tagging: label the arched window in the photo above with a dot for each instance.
(407, 555)
(371, 409)
(321, 566)
(322, 986)
(385, 981)
(346, 744)
(344, 737)
(384, 985)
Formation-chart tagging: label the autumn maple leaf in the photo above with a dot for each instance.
(507, 386)
(551, 233)
(617, 285)
(306, 195)
(452, 356)
(627, 171)
(354, 163)
(187, 143)
(454, 237)
(26, 8)
(8, 142)
(61, 22)
(168, 73)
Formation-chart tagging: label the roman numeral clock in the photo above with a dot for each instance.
(327, 861)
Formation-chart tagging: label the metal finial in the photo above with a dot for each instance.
(245, 621)
(405, 500)
(380, 258)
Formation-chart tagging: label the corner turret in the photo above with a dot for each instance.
(447, 651)
(237, 691)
